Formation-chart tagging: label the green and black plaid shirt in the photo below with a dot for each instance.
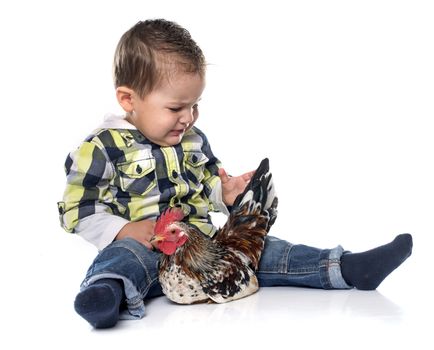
(120, 172)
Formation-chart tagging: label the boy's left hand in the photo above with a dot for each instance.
(232, 186)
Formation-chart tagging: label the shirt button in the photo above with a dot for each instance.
(174, 174)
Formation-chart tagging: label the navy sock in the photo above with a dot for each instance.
(368, 269)
(99, 303)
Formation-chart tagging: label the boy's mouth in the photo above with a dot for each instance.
(177, 132)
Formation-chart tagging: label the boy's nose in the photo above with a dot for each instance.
(187, 117)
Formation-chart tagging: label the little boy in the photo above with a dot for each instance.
(135, 166)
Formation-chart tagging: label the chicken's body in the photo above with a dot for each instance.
(213, 272)
(223, 268)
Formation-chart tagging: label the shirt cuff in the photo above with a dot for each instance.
(216, 199)
(100, 229)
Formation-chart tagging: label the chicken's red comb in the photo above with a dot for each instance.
(169, 216)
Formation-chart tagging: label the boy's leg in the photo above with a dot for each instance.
(125, 269)
(283, 263)
(286, 264)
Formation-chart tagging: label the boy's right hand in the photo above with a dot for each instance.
(141, 231)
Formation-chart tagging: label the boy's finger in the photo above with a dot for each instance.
(223, 175)
(149, 246)
(248, 176)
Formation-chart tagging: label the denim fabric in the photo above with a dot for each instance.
(135, 265)
(281, 264)
(286, 264)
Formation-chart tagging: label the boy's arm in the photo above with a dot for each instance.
(220, 188)
(100, 229)
(88, 209)
(216, 198)
(88, 174)
(212, 183)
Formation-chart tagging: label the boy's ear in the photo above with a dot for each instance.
(125, 98)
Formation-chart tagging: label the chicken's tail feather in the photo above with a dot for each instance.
(253, 213)
(259, 194)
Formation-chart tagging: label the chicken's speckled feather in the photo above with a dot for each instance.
(223, 269)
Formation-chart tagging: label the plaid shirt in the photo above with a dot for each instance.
(121, 173)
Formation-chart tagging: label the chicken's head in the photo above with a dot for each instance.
(169, 232)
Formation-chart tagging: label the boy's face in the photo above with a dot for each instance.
(165, 114)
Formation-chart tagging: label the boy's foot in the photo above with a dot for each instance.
(368, 269)
(99, 303)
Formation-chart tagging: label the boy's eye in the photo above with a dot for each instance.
(179, 109)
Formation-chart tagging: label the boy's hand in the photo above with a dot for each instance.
(141, 231)
(233, 186)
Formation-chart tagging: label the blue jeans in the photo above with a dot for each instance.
(281, 264)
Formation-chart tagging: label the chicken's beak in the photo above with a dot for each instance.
(156, 238)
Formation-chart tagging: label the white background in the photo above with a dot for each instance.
(339, 96)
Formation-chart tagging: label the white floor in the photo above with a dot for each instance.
(42, 313)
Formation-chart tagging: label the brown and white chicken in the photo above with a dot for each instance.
(195, 268)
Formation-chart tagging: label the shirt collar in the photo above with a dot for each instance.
(115, 121)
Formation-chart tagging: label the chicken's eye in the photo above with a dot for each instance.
(173, 231)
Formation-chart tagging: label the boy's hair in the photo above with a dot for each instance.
(145, 51)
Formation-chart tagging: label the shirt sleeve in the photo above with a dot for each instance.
(216, 199)
(211, 181)
(100, 229)
(88, 172)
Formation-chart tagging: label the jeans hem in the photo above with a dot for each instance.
(134, 300)
(330, 269)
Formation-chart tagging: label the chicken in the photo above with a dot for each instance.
(195, 268)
